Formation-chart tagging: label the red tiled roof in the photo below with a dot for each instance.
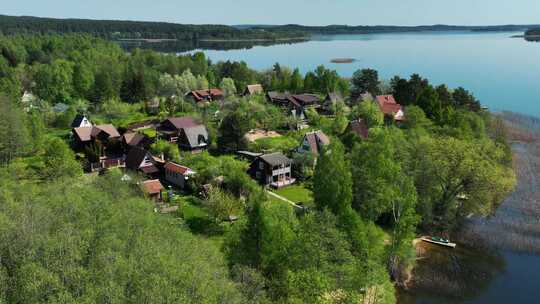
(203, 94)
(176, 168)
(152, 186)
(388, 104)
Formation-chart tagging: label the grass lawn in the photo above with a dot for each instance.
(283, 143)
(297, 193)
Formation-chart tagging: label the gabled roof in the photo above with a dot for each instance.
(334, 97)
(254, 89)
(306, 99)
(388, 104)
(359, 127)
(135, 157)
(78, 120)
(83, 133)
(183, 122)
(152, 186)
(196, 136)
(178, 168)
(205, 94)
(275, 159)
(109, 129)
(317, 140)
(133, 138)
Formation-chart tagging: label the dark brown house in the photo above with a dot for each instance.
(140, 160)
(272, 170)
(186, 131)
(296, 104)
(359, 127)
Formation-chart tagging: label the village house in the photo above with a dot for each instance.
(87, 135)
(358, 127)
(152, 189)
(390, 108)
(296, 104)
(253, 89)
(81, 121)
(135, 139)
(140, 160)
(329, 104)
(206, 95)
(186, 131)
(313, 142)
(272, 170)
(177, 175)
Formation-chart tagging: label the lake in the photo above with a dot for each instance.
(503, 72)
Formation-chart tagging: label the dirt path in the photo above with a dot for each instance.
(283, 199)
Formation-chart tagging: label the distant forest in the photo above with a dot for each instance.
(115, 29)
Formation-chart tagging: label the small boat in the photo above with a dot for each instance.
(439, 241)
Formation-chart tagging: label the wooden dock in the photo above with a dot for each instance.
(432, 241)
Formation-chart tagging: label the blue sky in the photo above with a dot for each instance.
(309, 12)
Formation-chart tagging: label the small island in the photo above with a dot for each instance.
(343, 60)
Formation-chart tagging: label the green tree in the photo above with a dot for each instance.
(13, 132)
(232, 130)
(365, 81)
(369, 112)
(332, 181)
(228, 87)
(54, 82)
(59, 160)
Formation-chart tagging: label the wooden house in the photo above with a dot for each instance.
(313, 142)
(253, 89)
(205, 95)
(140, 160)
(272, 170)
(152, 189)
(358, 127)
(186, 131)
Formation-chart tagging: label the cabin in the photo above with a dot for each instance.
(313, 142)
(186, 132)
(358, 127)
(329, 104)
(105, 134)
(391, 109)
(134, 139)
(177, 175)
(152, 189)
(140, 160)
(81, 121)
(205, 95)
(253, 89)
(296, 104)
(272, 170)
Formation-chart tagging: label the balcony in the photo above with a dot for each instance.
(283, 183)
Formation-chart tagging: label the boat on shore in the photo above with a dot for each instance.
(438, 241)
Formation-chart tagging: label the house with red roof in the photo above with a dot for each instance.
(152, 189)
(177, 175)
(390, 108)
(205, 95)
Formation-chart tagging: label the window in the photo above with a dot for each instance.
(261, 165)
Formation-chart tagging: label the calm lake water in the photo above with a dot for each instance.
(503, 72)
